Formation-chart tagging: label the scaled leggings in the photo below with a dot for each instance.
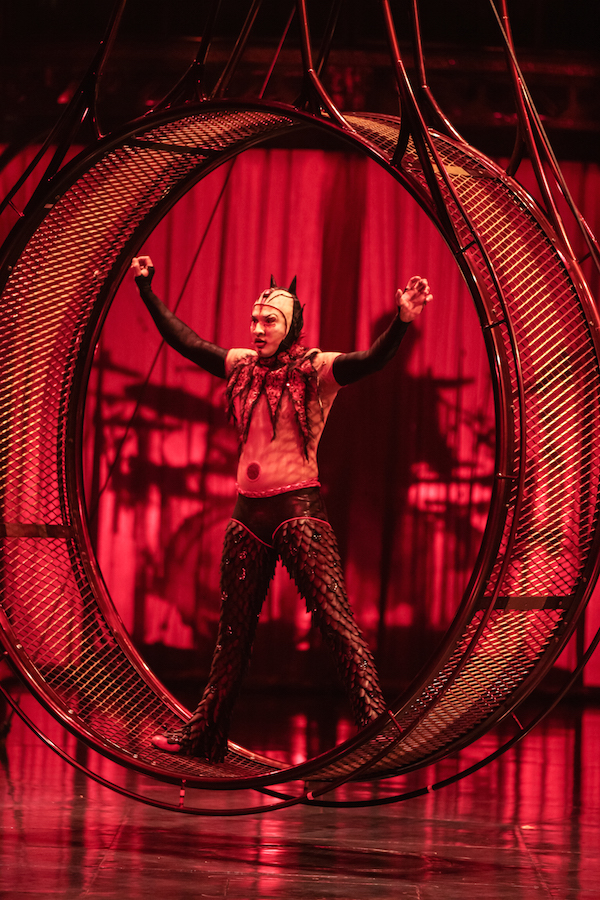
(293, 527)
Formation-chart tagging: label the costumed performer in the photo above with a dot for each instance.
(279, 394)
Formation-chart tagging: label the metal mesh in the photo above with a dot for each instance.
(558, 514)
(559, 372)
(50, 609)
(557, 365)
(54, 613)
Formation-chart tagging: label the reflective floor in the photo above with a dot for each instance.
(525, 826)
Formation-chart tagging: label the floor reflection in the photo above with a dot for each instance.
(525, 826)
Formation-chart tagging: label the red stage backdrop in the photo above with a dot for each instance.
(407, 456)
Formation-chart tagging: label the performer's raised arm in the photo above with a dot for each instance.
(175, 332)
(349, 367)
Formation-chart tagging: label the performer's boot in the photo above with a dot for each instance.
(308, 549)
(247, 566)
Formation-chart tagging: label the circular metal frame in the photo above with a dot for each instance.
(538, 560)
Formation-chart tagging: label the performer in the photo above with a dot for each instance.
(279, 395)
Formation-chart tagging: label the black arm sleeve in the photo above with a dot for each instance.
(177, 334)
(350, 367)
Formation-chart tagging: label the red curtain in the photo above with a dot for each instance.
(407, 456)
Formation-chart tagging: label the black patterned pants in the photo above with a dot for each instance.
(292, 527)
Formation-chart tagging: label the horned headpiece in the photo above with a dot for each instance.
(286, 302)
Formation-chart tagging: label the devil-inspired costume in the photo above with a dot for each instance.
(279, 402)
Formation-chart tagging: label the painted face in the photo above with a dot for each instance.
(268, 328)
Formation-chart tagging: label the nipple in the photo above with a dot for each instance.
(253, 471)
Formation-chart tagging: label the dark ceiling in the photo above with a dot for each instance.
(48, 44)
(537, 24)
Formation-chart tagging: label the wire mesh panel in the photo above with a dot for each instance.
(48, 603)
(57, 619)
(554, 385)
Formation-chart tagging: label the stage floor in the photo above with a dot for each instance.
(526, 826)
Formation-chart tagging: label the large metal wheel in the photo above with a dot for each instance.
(538, 560)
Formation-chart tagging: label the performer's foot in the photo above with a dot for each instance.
(207, 743)
(168, 742)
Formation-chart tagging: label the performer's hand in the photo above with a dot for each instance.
(141, 265)
(411, 301)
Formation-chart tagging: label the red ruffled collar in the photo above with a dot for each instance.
(290, 371)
